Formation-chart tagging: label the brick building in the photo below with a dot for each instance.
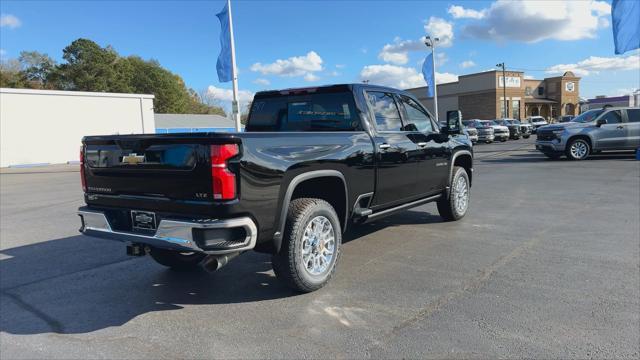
(480, 96)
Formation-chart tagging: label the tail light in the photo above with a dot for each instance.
(83, 179)
(224, 180)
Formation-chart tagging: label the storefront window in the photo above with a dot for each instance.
(503, 114)
(516, 109)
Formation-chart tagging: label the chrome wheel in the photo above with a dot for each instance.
(461, 195)
(318, 246)
(579, 149)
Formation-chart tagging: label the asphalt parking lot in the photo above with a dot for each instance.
(545, 265)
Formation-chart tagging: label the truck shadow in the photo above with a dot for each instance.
(78, 285)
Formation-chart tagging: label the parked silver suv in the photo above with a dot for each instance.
(592, 131)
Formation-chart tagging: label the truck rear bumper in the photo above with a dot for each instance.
(208, 236)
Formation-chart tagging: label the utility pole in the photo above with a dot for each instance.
(504, 90)
(432, 44)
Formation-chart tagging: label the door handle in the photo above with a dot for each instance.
(384, 146)
(620, 127)
(422, 144)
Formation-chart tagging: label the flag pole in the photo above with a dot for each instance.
(431, 42)
(435, 81)
(235, 106)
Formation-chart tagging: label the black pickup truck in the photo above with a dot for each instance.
(310, 163)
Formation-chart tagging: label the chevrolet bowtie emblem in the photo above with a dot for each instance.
(133, 159)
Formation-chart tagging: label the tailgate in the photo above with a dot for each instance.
(158, 167)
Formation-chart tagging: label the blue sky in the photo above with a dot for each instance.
(321, 42)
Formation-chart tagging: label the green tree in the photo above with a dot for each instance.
(36, 68)
(10, 74)
(90, 67)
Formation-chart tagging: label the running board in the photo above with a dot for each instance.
(402, 207)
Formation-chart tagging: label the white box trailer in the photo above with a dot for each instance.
(46, 126)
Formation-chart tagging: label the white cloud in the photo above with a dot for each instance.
(467, 64)
(440, 28)
(293, 66)
(398, 52)
(340, 66)
(3, 52)
(595, 64)
(226, 95)
(310, 77)
(458, 12)
(529, 77)
(10, 21)
(627, 91)
(399, 76)
(536, 20)
(261, 81)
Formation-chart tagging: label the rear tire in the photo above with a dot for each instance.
(175, 260)
(455, 206)
(526, 136)
(310, 245)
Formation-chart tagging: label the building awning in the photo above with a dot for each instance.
(539, 101)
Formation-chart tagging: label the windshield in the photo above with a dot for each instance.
(493, 122)
(588, 116)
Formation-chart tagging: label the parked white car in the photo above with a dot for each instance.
(536, 122)
(500, 132)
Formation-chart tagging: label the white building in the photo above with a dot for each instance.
(46, 126)
(174, 123)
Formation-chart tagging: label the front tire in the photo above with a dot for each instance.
(503, 139)
(175, 260)
(455, 206)
(578, 149)
(526, 136)
(310, 245)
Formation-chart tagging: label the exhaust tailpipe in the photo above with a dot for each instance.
(215, 262)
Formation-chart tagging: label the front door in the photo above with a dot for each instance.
(396, 153)
(633, 126)
(432, 165)
(613, 134)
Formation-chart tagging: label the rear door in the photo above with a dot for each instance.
(613, 134)
(396, 152)
(633, 126)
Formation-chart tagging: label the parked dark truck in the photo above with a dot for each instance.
(310, 163)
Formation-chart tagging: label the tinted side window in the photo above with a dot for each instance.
(385, 111)
(416, 118)
(633, 115)
(613, 117)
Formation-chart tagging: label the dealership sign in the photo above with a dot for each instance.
(512, 81)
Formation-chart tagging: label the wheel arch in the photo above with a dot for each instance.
(463, 158)
(334, 191)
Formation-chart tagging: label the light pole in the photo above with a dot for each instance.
(432, 44)
(504, 90)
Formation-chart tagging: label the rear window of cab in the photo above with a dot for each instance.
(310, 112)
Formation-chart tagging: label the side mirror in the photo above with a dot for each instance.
(601, 122)
(454, 122)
